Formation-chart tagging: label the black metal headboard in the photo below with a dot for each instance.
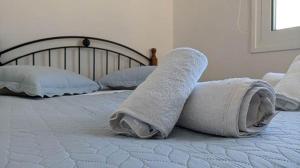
(84, 43)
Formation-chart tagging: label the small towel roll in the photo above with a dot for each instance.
(237, 107)
(153, 109)
(288, 89)
(273, 78)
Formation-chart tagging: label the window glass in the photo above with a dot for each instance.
(286, 14)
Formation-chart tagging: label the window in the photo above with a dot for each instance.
(286, 14)
(275, 25)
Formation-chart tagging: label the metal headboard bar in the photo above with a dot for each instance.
(152, 60)
(68, 47)
(85, 45)
(72, 37)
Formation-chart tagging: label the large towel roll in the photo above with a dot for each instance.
(155, 106)
(234, 107)
(288, 89)
(273, 78)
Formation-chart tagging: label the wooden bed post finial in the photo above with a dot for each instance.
(153, 59)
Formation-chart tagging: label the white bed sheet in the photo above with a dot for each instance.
(73, 131)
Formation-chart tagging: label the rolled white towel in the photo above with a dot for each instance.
(273, 78)
(234, 107)
(155, 106)
(288, 89)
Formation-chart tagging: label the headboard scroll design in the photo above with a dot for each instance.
(84, 42)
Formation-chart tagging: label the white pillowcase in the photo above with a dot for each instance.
(44, 81)
(127, 78)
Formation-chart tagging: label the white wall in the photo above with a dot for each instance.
(216, 28)
(212, 26)
(141, 24)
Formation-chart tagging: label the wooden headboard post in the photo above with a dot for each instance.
(153, 59)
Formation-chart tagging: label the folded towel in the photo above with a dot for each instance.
(234, 107)
(154, 107)
(273, 78)
(288, 89)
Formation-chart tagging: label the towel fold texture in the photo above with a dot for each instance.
(287, 90)
(273, 78)
(153, 109)
(236, 107)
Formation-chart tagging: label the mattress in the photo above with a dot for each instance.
(73, 131)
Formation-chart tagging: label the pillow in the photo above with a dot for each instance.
(43, 81)
(126, 79)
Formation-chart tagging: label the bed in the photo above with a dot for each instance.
(73, 131)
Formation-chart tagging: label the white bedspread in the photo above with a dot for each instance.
(73, 131)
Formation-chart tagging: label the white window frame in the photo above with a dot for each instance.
(263, 38)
